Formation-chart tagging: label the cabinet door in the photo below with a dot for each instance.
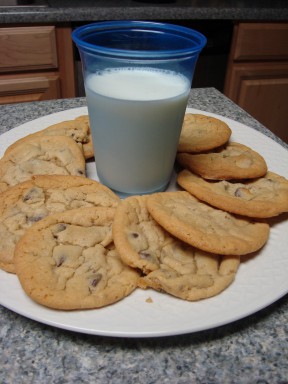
(19, 89)
(36, 63)
(28, 48)
(262, 90)
(261, 41)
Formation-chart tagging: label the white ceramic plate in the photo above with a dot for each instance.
(261, 280)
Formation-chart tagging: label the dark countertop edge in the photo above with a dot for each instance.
(34, 14)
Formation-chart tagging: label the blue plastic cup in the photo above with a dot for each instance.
(137, 78)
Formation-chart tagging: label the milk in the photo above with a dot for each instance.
(136, 117)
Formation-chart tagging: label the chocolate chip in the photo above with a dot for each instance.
(61, 227)
(238, 192)
(34, 219)
(134, 235)
(145, 255)
(60, 261)
(243, 192)
(29, 195)
(96, 279)
(58, 228)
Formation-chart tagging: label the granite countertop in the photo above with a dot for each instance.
(94, 10)
(251, 350)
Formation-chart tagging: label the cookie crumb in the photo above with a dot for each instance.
(149, 300)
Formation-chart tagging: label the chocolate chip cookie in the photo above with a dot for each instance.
(205, 227)
(56, 155)
(202, 133)
(77, 129)
(68, 261)
(26, 203)
(168, 264)
(233, 161)
(263, 197)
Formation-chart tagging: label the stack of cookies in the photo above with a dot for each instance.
(75, 245)
(60, 149)
(231, 177)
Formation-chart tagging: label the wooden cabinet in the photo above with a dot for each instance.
(36, 63)
(257, 73)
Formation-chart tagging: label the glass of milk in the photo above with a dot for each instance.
(137, 78)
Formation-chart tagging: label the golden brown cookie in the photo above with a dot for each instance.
(84, 119)
(234, 161)
(202, 133)
(260, 198)
(169, 264)
(26, 203)
(199, 276)
(68, 261)
(52, 155)
(77, 129)
(137, 237)
(204, 227)
(87, 145)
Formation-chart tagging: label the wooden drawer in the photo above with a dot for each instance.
(261, 41)
(34, 87)
(28, 48)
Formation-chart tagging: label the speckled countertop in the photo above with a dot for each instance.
(92, 10)
(251, 350)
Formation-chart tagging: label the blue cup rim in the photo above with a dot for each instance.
(198, 41)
